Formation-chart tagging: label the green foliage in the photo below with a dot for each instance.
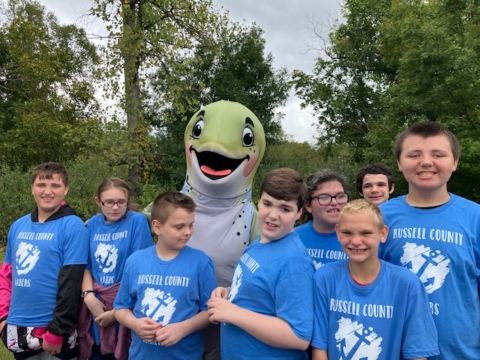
(236, 69)
(306, 160)
(393, 63)
(17, 198)
(145, 35)
(47, 107)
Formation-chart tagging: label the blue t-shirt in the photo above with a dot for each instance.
(442, 247)
(167, 292)
(322, 248)
(111, 245)
(383, 320)
(37, 252)
(274, 279)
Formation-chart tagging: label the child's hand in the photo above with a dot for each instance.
(171, 334)
(95, 306)
(220, 292)
(146, 328)
(106, 319)
(220, 310)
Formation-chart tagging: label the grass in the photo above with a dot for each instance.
(4, 353)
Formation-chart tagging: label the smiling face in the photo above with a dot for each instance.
(48, 194)
(276, 218)
(360, 235)
(427, 163)
(224, 144)
(325, 217)
(375, 188)
(174, 234)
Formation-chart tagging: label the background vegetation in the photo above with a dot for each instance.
(390, 63)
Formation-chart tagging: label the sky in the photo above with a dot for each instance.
(288, 38)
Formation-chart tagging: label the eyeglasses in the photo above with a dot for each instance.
(325, 199)
(111, 203)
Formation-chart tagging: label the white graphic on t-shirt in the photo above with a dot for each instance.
(429, 265)
(357, 342)
(236, 282)
(158, 305)
(106, 256)
(26, 257)
(318, 264)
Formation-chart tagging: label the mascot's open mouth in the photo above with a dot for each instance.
(216, 166)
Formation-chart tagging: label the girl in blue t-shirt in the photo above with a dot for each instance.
(327, 195)
(114, 235)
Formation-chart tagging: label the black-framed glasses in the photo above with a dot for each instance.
(325, 199)
(111, 203)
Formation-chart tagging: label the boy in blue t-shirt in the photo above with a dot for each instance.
(267, 313)
(165, 287)
(366, 308)
(41, 277)
(436, 235)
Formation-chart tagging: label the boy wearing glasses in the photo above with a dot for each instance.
(41, 276)
(326, 197)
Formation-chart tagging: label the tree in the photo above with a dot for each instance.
(47, 104)
(235, 69)
(144, 35)
(392, 63)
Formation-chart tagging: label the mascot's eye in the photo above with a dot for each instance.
(247, 137)
(197, 129)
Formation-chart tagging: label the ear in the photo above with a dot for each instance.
(157, 227)
(66, 190)
(392, 189)
(299, 213)
(384, 234)
(399, 167)
(455, 164)
(308, 206)
(337, 230)
(97, 201)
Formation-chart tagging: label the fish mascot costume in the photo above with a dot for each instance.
(224, 145)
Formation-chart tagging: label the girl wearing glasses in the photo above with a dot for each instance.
(114, 235)
(326, 197)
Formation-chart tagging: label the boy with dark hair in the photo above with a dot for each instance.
(165, 287)
(41, 277)
(366, 308)
(267, 313)
(436, 235)
(375, 183)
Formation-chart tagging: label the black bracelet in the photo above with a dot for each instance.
(86, 292)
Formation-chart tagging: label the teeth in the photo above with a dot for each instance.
(425, 173)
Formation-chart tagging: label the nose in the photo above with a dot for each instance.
(356, 240)
(273, 214)
(426, 161)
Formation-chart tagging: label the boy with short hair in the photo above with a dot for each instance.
(436, 235)
(267, 313)
(366, 308)
(375, 183)
(165, 287)
(40, 279)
